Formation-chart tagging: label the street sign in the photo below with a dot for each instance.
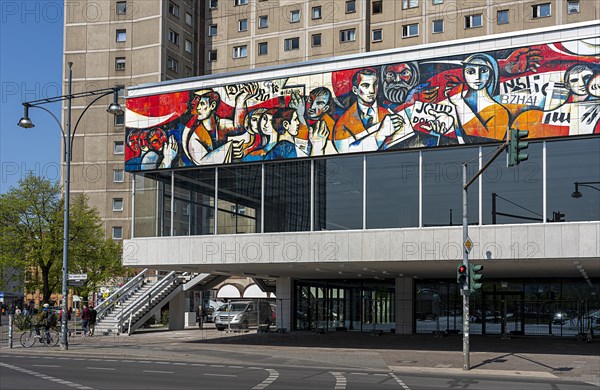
(1, 294)
(75, 283)
(468, 245)
(77, 276)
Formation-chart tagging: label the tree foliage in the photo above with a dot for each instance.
(31, 238)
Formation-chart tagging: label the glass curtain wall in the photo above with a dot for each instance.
(287, 197)
(393, 190)
(514, 194)
(386, 193)
(194, 205)
(151, 214)
(557, 307)
(339, 193)
(359, 305)
(239, 199)
(574, 161)
(442, 186)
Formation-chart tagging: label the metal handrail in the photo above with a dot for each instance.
(120, 294)
(154, 291)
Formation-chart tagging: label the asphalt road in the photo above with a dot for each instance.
(87, 373)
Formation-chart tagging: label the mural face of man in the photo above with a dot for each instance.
(293, 125)
(133, 141)
(366, 89)
(318, 105)
(397, 81)
(578, 81)
(205, 108)
(477, 76)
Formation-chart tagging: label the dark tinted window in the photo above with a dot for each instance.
(568, 162)
(393, 190)
(518, 189)
(339, 193)
(287, 197)
(442, 186)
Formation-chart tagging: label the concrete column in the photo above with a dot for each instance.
(177, 312)
(283, 291)
(404, 305)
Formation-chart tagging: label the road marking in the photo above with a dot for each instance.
(399, 381)
(273, 375)
(340, 380)
(235, 367)
(180, 364)
(45, 365)
(101, 368)
(359, 373)
(159, 372)
(198, 364)
(50, 378)
(219, 375)
(160, 362)
(217, 365)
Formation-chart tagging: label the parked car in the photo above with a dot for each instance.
(560, 318)
(242, 314)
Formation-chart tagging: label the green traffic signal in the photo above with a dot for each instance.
(475, 276)
(516, 147)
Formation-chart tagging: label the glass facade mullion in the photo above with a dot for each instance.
(172, 204)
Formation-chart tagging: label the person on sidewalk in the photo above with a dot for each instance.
(200, 316)
(85, 319)
(92, 322)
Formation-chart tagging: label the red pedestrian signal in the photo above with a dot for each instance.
(462, 275)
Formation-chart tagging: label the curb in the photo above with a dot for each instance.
(473, 372)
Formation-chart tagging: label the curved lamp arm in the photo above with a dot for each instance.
(587, 184)
(81, 116)
(57, 122)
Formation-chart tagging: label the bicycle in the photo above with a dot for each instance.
(48, 337)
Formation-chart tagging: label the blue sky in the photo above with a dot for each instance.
(31, 45)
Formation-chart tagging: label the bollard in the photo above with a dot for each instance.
(10, 331)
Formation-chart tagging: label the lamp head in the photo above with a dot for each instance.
(25, 122)
(115, 108)
(576, 194)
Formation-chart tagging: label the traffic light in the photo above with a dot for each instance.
(462, 277)
(475, 276)
(557, 216)
(516, 146)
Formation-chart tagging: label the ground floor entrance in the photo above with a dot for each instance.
(344, 305)
(556, 307)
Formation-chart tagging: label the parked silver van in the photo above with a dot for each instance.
(242, 314)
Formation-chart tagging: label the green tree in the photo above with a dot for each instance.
(31, 231)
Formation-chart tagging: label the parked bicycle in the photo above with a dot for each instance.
(48, 337)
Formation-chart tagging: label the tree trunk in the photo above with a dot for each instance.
(46, 283)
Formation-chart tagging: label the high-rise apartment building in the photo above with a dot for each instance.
(135, 42)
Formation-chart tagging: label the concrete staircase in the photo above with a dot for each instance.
(110, 322)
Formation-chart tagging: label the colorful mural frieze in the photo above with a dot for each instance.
(551, 90)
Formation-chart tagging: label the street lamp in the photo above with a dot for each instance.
(576, 194)
(25, 122)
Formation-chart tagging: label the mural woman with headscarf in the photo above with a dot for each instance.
(478, 114)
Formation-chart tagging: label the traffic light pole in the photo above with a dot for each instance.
(465, 287)
(466, 292)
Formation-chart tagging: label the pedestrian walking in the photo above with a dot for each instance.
(200, 316)
(92, 322)
(85, 319)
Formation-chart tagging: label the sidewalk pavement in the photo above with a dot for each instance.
(541, 357)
